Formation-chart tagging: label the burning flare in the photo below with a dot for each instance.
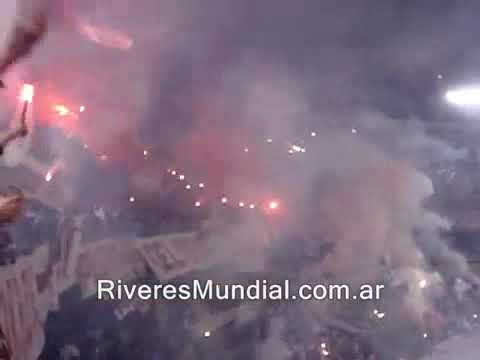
(61, 110)
(27, 93)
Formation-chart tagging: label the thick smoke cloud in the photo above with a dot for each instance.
(197, 84)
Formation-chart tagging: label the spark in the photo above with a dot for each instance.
(188, 187)
(49, 176)
(201, 185)
(224, 200)
(197, 204)
(252, 206)
(375, 312)
(313, 134)
(475, 316)
(381, 315)
(207, 334)
(173, 172)
(27, 93)
(467, 96)
(422, 284)
(82, 108)
(241, 204)
(323, 345)
(131, 199)
(325, 352)
(145, 152)
(61, 110)
(425, 335)
(297, 148)
(181, 177)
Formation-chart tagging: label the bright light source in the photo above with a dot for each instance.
(467, 96)
(82, 108)
(201, 185)
(323, 345)
(188, 186)
(181, 177)
(313, 134)
(325, 352)
(207, 334)
(131, 199)
(246, 150)
(354, 131)
(273, 205)
(381, 315)
(145, 152)
(197, 204)
(252, 206)
(475, 316)
(49, 176)
(422, 284)
(425, 335)
(224, 200)
(27, 93)
(269, 141)
(241, 204)
(61, 110)
(173, 172)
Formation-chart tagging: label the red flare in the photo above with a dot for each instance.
(27, 93)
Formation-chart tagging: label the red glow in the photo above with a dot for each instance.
(273, 205)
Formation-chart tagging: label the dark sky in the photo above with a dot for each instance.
(384, 55)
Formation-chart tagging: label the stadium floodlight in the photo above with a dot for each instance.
(464, 96)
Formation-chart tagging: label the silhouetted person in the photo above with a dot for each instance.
(23, 39)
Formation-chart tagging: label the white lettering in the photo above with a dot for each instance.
(102, 287)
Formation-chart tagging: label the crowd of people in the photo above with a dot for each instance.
(40, 224)
(144, 335)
